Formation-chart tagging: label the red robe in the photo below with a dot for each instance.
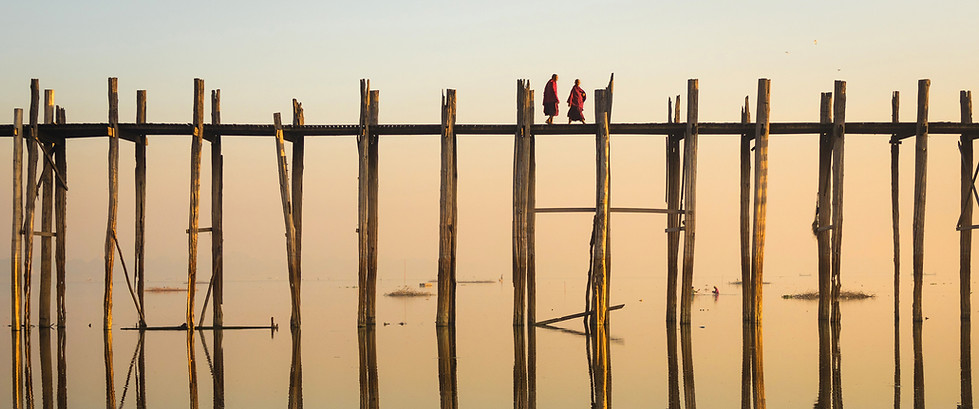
(577, 102)
(550, 98)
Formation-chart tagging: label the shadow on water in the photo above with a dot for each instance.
(448, 382)
(965, 361)
(367, 345)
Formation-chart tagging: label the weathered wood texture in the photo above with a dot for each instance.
(110, 229)
(747, 295)
(298, 162)
(195, 197)
(448, 381)
(367, 346)
(30, 203)
(521, 159)
(365, 295)
(965, 363)
(140, 180)
(895, 205)
(920, 179)
(824, 209)
(445, 311)
(690, 193)
(217, 215)
(283, 170)
(61, 223)
(760, 196)
(965, 236)
(599, 260)
(673, 205)
(839, 130)
(531, 246)
(372, 208)
(16, 244)
(47, 218)
(686, 351)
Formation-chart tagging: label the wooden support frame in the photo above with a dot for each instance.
(690, 193)
(448, 217)
(920, 180)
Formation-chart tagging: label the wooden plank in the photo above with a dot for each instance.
(47, 219)
(690, 193)
(217, 220)
(673, 228)
(140, 180)
(965, 236)
(824, 209)
(839, 130)
(372, 209)
(895, 205)
(575, 315)
(747, 294)
(920, 179)
(602, 181)
(195, 195)
(283, 171)
(760, 197)
(298, 162)
(362, 199)
(16, 243)
(448, 206)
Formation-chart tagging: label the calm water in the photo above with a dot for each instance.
(484, 363)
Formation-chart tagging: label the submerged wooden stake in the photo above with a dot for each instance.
(195, 195)
(445, 312)
(920, 180)
(824, 209)
(140, 176)
(839, 121)
(965, 236)
(690, 193)
(110, 230)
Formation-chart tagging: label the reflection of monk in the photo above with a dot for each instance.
(576, 102)
(550, 99)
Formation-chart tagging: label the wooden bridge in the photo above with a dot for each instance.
(45, 139)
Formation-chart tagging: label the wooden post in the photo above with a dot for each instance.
(372, 210)
(965, 237)
(60, 221)
(824, 209)
(298, 160)
(195, 197)
(531, 181)
(520, 179)
(445, 312)
(110, 230)
(47, 216)
(673, 218)
(363, 140)
(599, 259)
(761, 195)
(690, 192)
(747, 292)
(31, 201)
(920, 179)
(895, 215)
(140, 177)
(17, 224)
(217, 215)
(287, 217)
(839, 122)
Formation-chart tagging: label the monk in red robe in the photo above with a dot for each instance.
(576, 102)
(550, 99)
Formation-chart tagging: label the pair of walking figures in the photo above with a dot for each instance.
(576, 101)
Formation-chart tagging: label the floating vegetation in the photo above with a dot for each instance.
(468, 281)
(408, 292)
(738, 282)
(844, 295)
(165, 289)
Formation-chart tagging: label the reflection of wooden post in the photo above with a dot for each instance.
(895, 215)
(18, 220)
(140, 148)
(965, 362)
(448, 383)
(839, 122)
(965, 237)
(824, 210)
(192, 370)
(520, 392)
(283, 171)
(673, 365)
(920, 180)
(897, 363)
(825, 364)
(47, 216)
(28, 226)
(686, 347)
(141, 374)
(673, 218)
(62, 370)
(747, 330)
(919, 366)
(47, 381)
(761, 196)
(195, 195)
(295, 371)
(445, 314)
(110, 230)
(690, 192)
(217, 214)
(602, 179)
(758, 368)
(747, 295)
(218, 380)
(110, 387)
(368, 367)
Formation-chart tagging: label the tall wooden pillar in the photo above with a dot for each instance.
(895, 207)
(31, 201)
(839, 122)
(298, 160)
(288, 219)
(521, 181)
(47, 218)
(445, 313)
(17, 227)
(60, 220)
(217, 215)
(824, 210)
(690, 192)
(920, 179)
(761, 196)
(195, 197)
(140, 177)
(372, 208)
(965, 237)
(747, 293)
(602, 211)
(363, 237)
(673, 217)
(110, 230)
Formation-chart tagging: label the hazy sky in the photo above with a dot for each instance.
(262, 55)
